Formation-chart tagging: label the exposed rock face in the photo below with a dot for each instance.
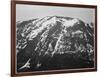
(54, 42)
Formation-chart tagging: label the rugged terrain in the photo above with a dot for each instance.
(54, 42)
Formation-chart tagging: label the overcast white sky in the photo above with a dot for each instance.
(26, 12)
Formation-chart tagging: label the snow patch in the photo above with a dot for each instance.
(69, 23)
(27, 65)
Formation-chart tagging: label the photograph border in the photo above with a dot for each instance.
(13, 38)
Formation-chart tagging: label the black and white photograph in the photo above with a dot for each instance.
(50, 38)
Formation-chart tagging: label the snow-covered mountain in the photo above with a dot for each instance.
(41, 39)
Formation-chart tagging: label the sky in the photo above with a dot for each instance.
(27, 12)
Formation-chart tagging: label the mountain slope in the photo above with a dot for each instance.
(42, 40)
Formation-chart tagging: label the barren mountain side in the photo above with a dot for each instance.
(54, 42)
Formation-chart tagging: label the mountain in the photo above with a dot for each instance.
(54, 42)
